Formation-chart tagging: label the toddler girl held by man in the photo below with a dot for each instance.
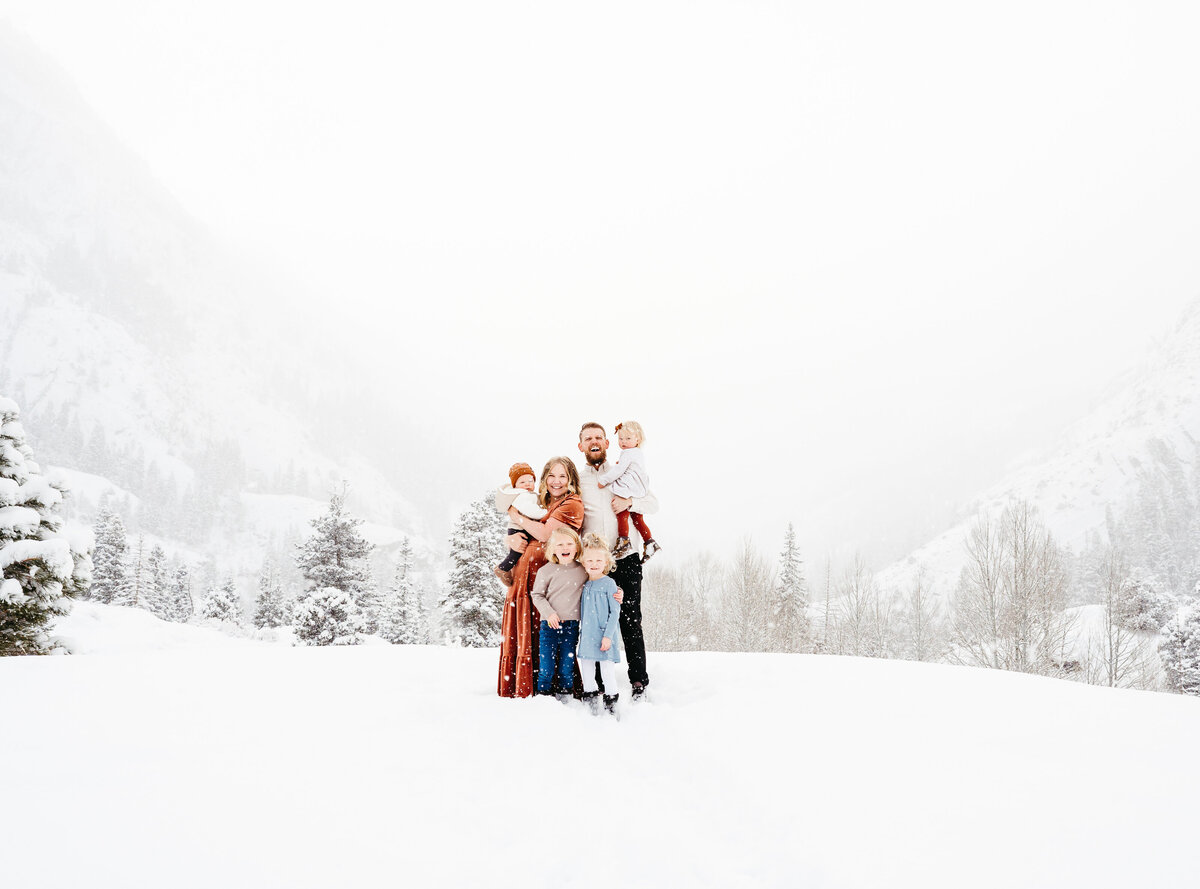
(628, 477)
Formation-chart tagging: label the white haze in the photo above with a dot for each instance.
(845, 262)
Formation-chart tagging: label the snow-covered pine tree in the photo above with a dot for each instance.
(268, 609)
(137, 573)
(1144, 605)
(110, 575)
(473, 598)
(155, 597)
(335, 556)
(39, 565)
(222, 603)
(368, 603)
(327, 616)
(180, 606)
(402, 619)
(1179, 649)
(790, 608)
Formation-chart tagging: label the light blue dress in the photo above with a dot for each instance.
(599, 616)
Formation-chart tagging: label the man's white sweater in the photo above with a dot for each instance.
(598, 516)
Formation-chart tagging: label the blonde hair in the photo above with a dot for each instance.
(573, 486)
(594, 541)
(636, 428)
(569, 533)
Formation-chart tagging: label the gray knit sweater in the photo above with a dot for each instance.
(557, 590)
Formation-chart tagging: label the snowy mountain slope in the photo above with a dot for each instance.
(248, 764)
(1152, 412)
(140, 351)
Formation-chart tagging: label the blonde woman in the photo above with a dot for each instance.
(558, 494)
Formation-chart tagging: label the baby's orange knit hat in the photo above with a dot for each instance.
(518, 470)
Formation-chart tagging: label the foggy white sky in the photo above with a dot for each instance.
(843, 261)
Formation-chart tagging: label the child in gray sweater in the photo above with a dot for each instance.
(555, 595)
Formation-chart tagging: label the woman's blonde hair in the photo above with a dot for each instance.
(569, 533)
(573, 486)
(594, 541)
(635, 427)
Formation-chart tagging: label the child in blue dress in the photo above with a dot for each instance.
(599, 627)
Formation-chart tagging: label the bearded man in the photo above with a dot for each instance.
(600, 510)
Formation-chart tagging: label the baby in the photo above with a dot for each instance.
(519, 493)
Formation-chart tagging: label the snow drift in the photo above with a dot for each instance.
(249, 764)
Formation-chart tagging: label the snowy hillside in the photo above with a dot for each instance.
(211, 762)
(1149, 414)
(142, 353)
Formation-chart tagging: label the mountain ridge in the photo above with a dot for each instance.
(1096, 465)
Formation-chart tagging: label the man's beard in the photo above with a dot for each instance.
(596, 461)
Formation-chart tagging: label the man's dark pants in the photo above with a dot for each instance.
(628, 575)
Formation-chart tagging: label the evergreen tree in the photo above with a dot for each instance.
(790, 611)
(110, 577)
(1144, 606)
(1179, 648)
(137, 596)
(402, 618)
(335, 556)
(155, 596)
(268, 610)
(327, 616)
(39, 567)
(369, 603)
(180, 606)
(222, 603)
(473, 598)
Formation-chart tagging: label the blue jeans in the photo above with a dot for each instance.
(556, 656)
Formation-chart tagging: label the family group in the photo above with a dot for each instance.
(573, 598)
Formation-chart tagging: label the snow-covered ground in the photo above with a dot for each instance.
(174, 756)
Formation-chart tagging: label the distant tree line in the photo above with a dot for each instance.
(1022, 603)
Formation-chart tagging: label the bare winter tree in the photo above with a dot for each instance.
(1119, 655)
(664, 624)
(1009, 608)
(825, 634)
(703, 579)
(921, 624)
(680, 605)
(748, 601)
(859, 619)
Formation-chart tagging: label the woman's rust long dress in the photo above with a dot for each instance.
(519, 626)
